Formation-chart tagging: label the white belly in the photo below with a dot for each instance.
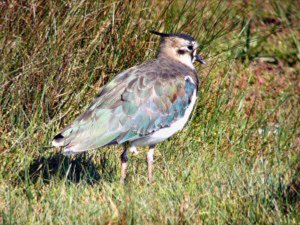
(167, 132)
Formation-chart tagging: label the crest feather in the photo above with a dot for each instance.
(178, 35)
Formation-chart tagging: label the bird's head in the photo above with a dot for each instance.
(180, 47)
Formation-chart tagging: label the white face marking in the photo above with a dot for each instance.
(195, 44)
(186, 58)
(180, 50)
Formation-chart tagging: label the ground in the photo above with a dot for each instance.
(236, 162)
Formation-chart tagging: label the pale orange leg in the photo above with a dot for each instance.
(150, 161)
(124, 159)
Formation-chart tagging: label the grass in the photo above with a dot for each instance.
(237, 161)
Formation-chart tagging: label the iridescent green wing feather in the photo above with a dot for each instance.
(136, 103)
(156, 102)
(100, 124)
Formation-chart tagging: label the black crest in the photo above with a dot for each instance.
(164, 35)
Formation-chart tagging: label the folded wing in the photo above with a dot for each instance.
(135, 104)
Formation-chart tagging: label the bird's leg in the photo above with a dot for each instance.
(124, 159)
(150, 161)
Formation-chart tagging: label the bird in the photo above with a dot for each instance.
(142, 106)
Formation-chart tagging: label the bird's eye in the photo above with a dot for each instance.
(190, 47)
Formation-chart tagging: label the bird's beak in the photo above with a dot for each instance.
(200, 59)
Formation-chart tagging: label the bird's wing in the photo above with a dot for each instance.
(155, 104)
(100, 124)
(136, 103)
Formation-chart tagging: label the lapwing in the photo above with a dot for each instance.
(142, 106)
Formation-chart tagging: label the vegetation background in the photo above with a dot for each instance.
(237, 162)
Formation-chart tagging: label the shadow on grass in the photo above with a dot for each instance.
(71, 169)
(291, 192)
